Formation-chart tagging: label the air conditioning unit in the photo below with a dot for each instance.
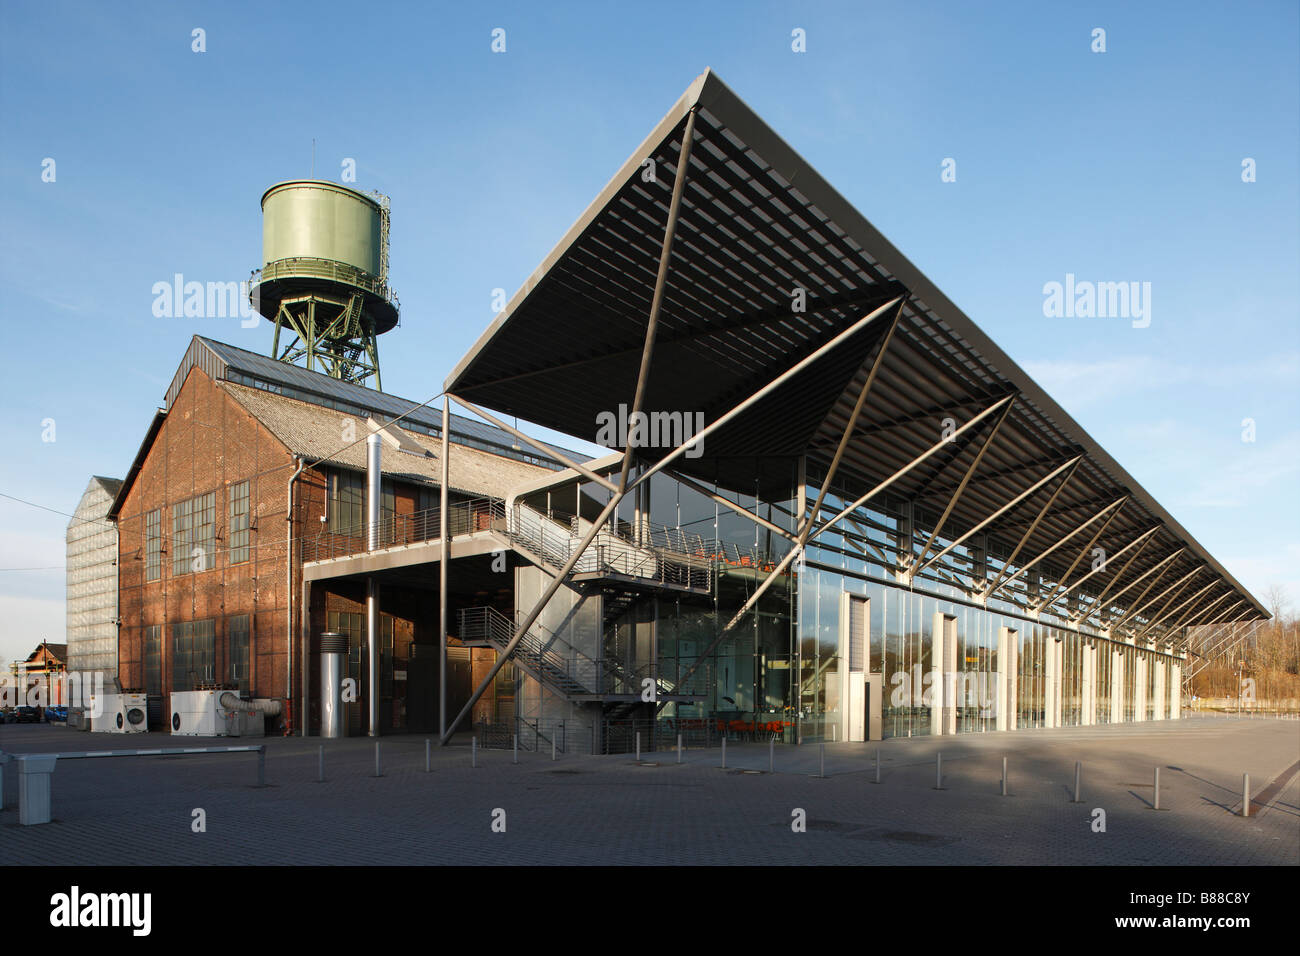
(118, 713)
(200, 713)
(134, 714)
(195, 714)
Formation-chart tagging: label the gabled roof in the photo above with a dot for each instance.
(48, 650)
(155, 426)
(316, 433)
(224, 362)
(309, 423)
(757, 223)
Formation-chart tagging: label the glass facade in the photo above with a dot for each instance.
(841, 645)
(841, 625)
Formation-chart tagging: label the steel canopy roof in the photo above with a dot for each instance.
(756, 222)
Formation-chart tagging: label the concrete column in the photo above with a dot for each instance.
(1116, 686)
(1175, 691)
(1087, 691)
(34, 773)
(1140, 688)
(1052, 684)
(1013, 678)
(1000, 697)
(937, 659)
(950, 675)
(1162, 668)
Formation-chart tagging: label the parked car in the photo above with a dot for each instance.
(27, 715)
(56, 713)
(8, 716)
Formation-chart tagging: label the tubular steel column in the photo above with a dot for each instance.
(661, 280)
(444, 555)
(373, 482)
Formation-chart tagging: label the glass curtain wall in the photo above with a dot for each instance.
(780, 666)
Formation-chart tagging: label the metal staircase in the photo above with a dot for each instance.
(666, 558)
(546, 658)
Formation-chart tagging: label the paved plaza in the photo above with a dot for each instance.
(609, 810)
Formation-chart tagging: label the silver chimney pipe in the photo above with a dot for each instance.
(373, 445)
(373, 479)
(333, 653)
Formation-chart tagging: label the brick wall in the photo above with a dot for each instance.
(208, 442)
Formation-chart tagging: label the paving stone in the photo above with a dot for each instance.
(600, 810)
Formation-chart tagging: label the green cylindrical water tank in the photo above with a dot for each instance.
(321, 220)
(325, 240)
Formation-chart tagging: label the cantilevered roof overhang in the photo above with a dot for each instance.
(756, 224)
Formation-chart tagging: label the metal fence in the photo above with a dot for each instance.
(535, 735)
(660, 734)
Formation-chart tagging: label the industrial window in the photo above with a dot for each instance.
(153, 659)
(192, 534)
(153, 545)
(347, 502)
(351, 625)
(237, 627)
(193, 654)
(238, 522)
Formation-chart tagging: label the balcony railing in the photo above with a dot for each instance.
(299, 266)
(463, 517)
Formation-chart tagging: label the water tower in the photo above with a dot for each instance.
(324, 282)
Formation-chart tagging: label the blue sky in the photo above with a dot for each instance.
(1117, 166)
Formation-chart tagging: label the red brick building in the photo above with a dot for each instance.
(250, 466)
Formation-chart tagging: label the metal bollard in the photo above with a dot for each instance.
(938, 771)
(771, 755)
(378, 766)
(724, 753)
(1077, 775)
(1155, 803)
(877, 780)
(638, 746)
(320, 765)
(552, 746)
(1245, 794)
(261, 766)
(679, 748)
(473, 752)
(822, 769)
(516, 747)
(1004, 776)
(427, 766)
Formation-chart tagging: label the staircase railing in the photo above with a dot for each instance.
(539, 651)
(658, 555)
